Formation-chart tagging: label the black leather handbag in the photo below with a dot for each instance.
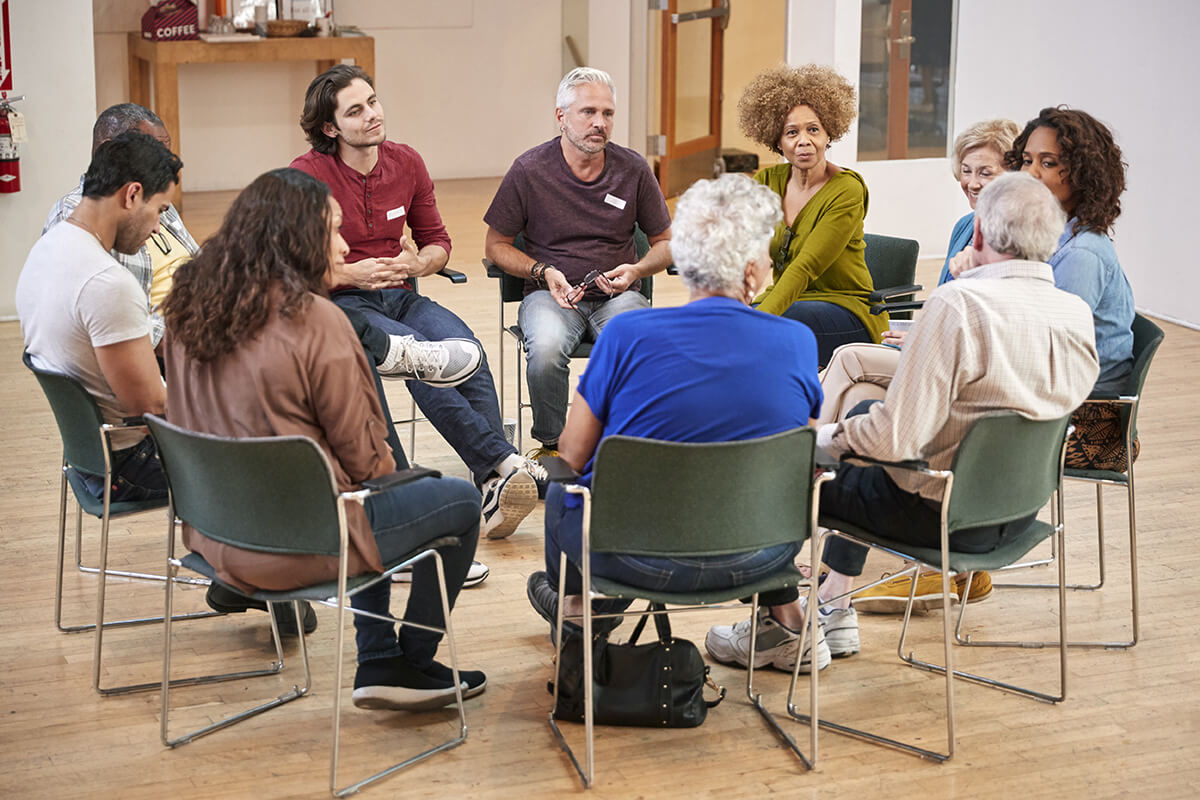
(659, 684)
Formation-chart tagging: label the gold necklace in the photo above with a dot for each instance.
(87, 228)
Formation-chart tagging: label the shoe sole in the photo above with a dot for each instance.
(894, 604)
(399, 698)
(824, 656)
(978, 598)
(517, 499)
(406, 576)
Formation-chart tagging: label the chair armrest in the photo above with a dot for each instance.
(911, 305)
(492, 269)
(399, 477)
(823, 459)
(893, 291)
(672, 269)
(914, 464)
(559, 471)
(452, 275)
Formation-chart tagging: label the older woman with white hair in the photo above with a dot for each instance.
(711, 370)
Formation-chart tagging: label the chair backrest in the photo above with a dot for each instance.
(673, 498)
(1146, 338)
(1006, 468)
(270, 494)
(77, 415)
(512, 288)
(892, 261)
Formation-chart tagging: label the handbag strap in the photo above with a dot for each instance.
(661, 623)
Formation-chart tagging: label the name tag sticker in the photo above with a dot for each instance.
(399, 212)
(614, 201)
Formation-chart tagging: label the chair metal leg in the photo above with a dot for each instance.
(81, 567)
(412, 428)
(337, 699)
(588, 774)
(1089, 645)
(166, 684)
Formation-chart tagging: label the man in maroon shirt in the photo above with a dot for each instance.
(382, 186)
(576, 200)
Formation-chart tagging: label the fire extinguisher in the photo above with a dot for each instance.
(12, 133)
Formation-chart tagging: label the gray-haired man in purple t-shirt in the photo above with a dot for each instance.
(576, 200)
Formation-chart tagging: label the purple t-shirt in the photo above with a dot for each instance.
(578, 226)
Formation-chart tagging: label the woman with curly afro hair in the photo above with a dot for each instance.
(1074, 155)
(820, 273)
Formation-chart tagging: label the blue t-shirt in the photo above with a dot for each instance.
(713, 370)
(1086, 264)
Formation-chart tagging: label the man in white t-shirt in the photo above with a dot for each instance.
(84, 315)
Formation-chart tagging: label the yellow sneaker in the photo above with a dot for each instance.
(981, 587)
(890, 596)
(538, 453)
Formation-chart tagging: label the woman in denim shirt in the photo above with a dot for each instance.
(1075, 156)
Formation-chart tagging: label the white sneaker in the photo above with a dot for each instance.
(476, 575)
(507, 501)
(840, 626)
(444, 363)
(776, 646)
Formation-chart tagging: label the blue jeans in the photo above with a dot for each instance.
(833, 326)
(868, 498)
(564, 533)
(468, 415)
(403, 519)
(137, 475)
(551, 335)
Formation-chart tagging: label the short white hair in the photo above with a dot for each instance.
(580, 75)
(720, 226)
(1019, 217)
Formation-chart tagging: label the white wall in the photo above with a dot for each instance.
(469, 83)
(52, 67)
(1133, 67)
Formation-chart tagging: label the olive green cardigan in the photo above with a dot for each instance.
(825, 257)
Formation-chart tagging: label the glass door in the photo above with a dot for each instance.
(689, 146)
(905, 79)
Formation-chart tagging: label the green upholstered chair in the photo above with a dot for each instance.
(87, 446)
(892, 262)
(1006, 468)
(279, 495)
(1146, 339)
(672, 499)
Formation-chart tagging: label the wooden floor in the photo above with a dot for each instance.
(1130, 724)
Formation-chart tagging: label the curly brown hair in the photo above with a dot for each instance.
(767, 100)
(1091, 159)
(270, 255)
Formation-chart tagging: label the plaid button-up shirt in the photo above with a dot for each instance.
(1001, 337)
(138, 264)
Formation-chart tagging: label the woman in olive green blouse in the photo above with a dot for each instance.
(820, 274)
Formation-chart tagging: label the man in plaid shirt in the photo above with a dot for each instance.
(152, 265)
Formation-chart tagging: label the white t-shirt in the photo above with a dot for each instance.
(72, 297)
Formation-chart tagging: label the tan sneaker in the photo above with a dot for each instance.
(890, 596)
(981, 587)
(538, 453)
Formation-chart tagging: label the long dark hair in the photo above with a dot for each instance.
(270, 255)
(1092, 160)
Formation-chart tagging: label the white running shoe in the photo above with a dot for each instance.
(507, 501)
(443, 363)
(776, 646)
